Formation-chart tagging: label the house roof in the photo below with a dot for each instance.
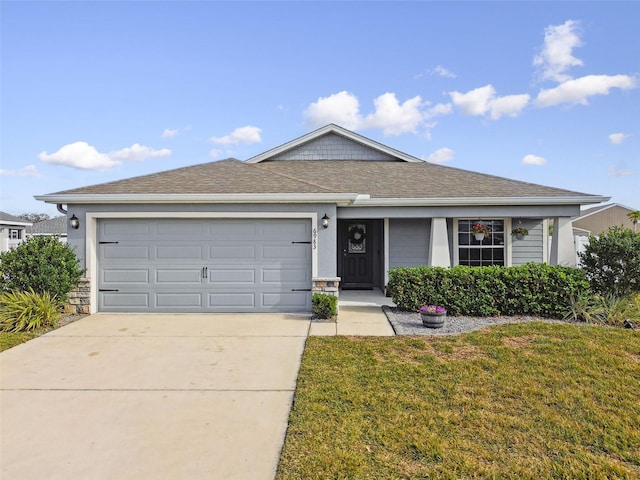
(7, 219)
(587, 212)
(399, 179)
(52, 226)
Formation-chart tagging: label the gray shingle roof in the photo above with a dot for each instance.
(53, 226)
(5, 217)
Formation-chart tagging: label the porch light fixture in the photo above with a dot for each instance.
(325, 221)
(74, 222)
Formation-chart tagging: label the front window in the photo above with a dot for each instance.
(477, 250)
(14, 234)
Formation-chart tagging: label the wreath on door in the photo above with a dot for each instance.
(357, 235)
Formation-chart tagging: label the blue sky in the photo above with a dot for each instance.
(92, 92)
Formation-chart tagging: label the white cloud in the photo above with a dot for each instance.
(28, 171)
(556, 55)
(169, 133)
(393, 118)
(215, 153)
(579, 90)
(138, 153)
(510, 105)
(442, 72)
(618, 138)
(87, 157)
(483, 100)
(245, 135)
(439, 109)
(342, 108)
(533, 160)
(442, 155)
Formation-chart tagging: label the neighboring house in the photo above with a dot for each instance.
(597, 220)
(331, 209)
(53, 227)
(12, 231)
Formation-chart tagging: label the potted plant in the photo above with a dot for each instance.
(433, 316)
(479, 231)
(519, 232)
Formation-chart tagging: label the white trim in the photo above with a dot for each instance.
(332, 128)
(545, 240)
(385, 229)
(339, 198)
(508, 241)
(476, 201)
(91, 219)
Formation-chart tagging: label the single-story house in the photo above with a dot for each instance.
(597, 220)
(327, 211)
(53, 227)
(12, 231)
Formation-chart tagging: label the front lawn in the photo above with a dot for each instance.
(514, 401)
(8, 340)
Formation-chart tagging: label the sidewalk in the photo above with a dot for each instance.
(359, 313)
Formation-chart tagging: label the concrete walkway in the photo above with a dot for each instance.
(150, 397)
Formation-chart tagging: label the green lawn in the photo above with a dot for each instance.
(514, 401)
(8, 340)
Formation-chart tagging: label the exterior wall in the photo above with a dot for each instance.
(334, 147)
(408, 242)
(530, 248)
(79, 298)
(600, 221)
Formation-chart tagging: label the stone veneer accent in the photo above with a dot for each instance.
(328, 285)
(79, 299)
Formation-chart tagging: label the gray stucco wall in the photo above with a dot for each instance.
(334, 147)
(408, 242)
(530, 248)
(327, 238)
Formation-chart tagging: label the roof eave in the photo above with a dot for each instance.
(338, 198)
(466, 201)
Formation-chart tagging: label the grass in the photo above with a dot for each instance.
(514, 401)
(8, 340)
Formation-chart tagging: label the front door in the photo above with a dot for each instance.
(356, 254)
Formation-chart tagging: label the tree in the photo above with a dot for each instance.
(43, 264)
(635, 218)
(612, 262)
(34, 217)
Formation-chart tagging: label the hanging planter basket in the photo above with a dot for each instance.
(479, 236)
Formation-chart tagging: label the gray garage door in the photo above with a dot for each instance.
(198, 265)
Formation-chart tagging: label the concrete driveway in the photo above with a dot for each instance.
(118, 396)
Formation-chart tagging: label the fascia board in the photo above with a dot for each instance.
(465, 201)
(342, 199)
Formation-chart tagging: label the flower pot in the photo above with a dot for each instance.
(519, 236)
(433, 320)
(479, 236)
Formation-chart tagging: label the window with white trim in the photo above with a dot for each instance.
(474, 252)
(14, 234)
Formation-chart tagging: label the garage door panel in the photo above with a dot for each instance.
(185, 252)
(178, 300)
(229, 301)
(125, 300)
(232, 276)
(229, 252)
(178, 276)
(204, 265)
(126, 276)
(116, 252)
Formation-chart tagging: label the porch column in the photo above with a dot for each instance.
(563, 250)
(439, 244)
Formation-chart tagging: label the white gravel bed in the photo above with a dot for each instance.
(410, 323)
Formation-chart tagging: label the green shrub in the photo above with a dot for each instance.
(41, 264)
(606, 309)
(612, 262)
(28, 311)
(324, 306)
(531, 289)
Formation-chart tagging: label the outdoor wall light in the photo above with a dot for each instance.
(325, 221)
(74, 222)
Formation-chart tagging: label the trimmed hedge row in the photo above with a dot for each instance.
(531, 289)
